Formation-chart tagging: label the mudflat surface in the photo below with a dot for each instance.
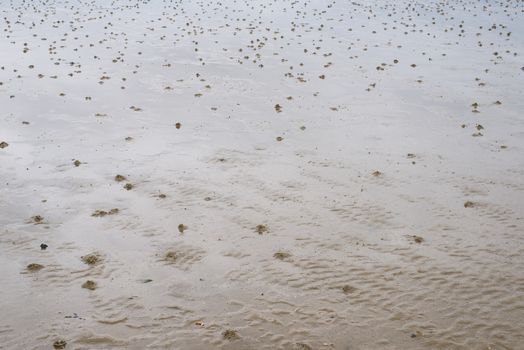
(261, 174)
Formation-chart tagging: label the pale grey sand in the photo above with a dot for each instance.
(261, 174)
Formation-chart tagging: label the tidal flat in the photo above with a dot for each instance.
(261, 174)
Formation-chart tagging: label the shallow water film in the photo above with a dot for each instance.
(261, 174)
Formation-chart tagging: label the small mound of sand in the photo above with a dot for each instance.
(34, 267)
(60, 344)
(347, 289)
(230, 334)
(102, 213)
(171, 256)
(91, 285)
(469, 204)
(417, 239)
(37, 219)
(119, 178)
(281, 255)
(90, 259)
(261, 229)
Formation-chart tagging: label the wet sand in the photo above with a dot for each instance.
(261, 175)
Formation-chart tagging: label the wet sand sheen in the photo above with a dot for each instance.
(261, 175)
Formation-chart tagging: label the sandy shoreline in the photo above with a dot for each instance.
(380, 145)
